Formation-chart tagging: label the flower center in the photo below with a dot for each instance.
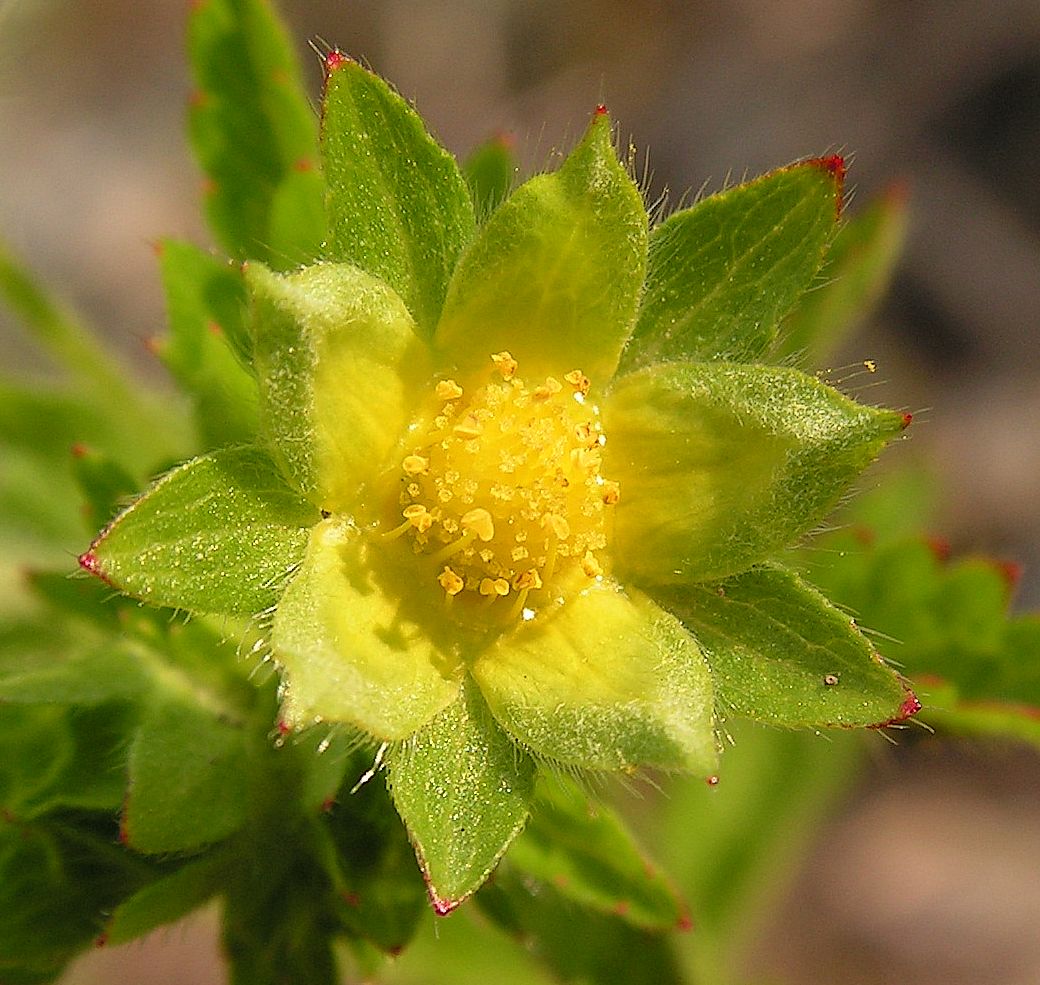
(502, 491)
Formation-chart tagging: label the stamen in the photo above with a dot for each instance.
(504, 481)
(505, 364)
(450, 582)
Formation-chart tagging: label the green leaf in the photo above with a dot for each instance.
(250, 122)
(579, 944)
(609, 681)
(856, 272)
(780, 653)
(57, 879)
(490, 172)
(380, 895)
(555, 273)
(398, 207)
(167, 899)
(723, 273)
(188, 781)
(721, 465)
(587, 854)
(338, 362)
(221, 533)
(463, 791)
(205, 307)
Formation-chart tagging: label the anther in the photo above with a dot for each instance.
(494, 587)
(447, 390)
(479, 522)
(450, 582)
(505, 364)
(577, 379)
(415, 465)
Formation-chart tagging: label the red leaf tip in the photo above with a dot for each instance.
(101, 940)
(834, 165)
(335, 59)
(684, 924)
(911, 706)
(1010, 571)
(601, 110)
(90, 563)
(940, 548)
(79, 450)
(442, 907)
(907, 420)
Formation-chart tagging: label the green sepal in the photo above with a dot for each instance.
(348, 650)
(608, 682)
(221, 533)
(576, 943)
(398, 207)
(555, 273)
(491, 172)
(780, 653)
(208, 344)
(249, 121)
(105, 484)
(854, 275)
(463, 790)
(339, 365)
(587, 853)
(167, 899)
(723, 273)
(188, 785)
(721, 464)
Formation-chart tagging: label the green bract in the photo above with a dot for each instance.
(508, 505)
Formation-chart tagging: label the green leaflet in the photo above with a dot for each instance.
(188, 783)
(205, 308)
(57, 757)
(380, 894)
(167, 899)
(250, 124)
(105, 484)
(579, 944)
(56, 879)
(339, 365)
(490, 172)
(723, 273)
(722, 464)
(947, 627)
(463, 790)
(221, 533)
(584, 850)
(855, 273)
(555, 273)
(781, 654)
(398, 207)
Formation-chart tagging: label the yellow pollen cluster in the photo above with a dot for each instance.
(502, 487)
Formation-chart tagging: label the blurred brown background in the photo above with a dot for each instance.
(944, 96)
